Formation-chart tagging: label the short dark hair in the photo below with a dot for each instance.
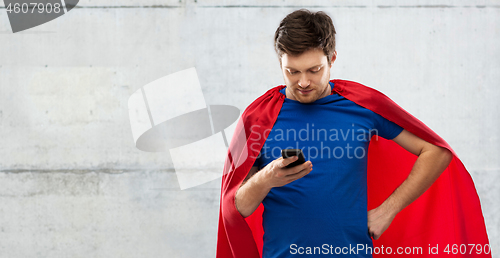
(303, 30)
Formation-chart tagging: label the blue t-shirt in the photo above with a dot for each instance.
(325, 212)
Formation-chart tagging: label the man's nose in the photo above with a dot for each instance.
(304, 81)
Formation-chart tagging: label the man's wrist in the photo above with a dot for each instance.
(260, 181)
(391, 207)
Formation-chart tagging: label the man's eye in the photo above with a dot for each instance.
(315, 71)
(294, 72)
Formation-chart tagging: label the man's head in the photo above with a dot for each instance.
(305, 44)
(303, 30)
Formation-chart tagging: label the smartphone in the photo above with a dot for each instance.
(287, 153)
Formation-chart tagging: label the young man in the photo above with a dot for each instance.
(321, 210)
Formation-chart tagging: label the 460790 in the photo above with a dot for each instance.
(467, 249)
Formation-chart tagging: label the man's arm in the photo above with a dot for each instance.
(257, 185)
(249, 200)
(431, 162)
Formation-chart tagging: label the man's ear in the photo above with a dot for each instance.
(334, 57)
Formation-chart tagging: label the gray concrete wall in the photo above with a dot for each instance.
(72, 183)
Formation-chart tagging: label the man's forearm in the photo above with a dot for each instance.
(250, 195)
(427, 168)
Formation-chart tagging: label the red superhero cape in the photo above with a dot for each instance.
(447, 216)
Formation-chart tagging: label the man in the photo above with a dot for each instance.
(321, 210)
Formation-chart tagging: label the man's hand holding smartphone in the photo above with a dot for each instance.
(282, 171)
(257, 184)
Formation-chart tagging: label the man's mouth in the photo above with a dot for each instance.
(304, 92)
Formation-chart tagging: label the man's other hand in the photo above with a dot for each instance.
(378, 221)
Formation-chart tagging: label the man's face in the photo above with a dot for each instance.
(307, 75)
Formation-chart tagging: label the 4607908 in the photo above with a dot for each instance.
(32, 7)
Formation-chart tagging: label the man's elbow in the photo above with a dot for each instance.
(441, 156)
(444, 155)
(244, 213)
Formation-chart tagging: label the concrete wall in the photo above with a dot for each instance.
(72, 183)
